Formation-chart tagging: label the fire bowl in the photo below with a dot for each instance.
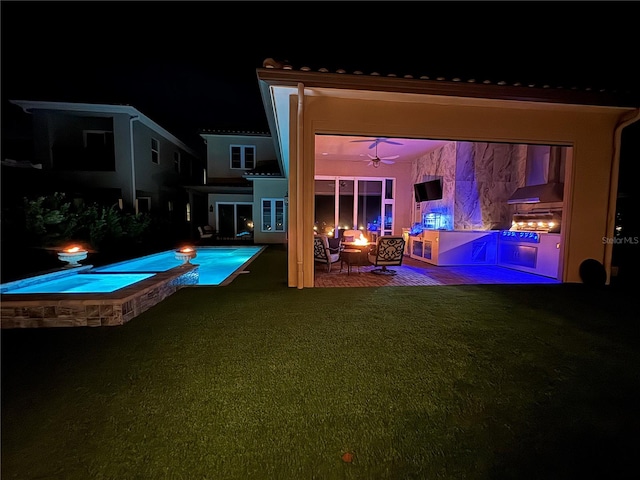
(185, 255)
(72, 257)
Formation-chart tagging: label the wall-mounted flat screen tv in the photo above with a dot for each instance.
(425, 191)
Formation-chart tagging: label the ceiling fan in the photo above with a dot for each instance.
(376, 141)
(375, 160)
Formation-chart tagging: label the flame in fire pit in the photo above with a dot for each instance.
(73, 249)
(362, 240)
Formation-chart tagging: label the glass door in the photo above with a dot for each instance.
(369, 212)
(235, 221)
(365, 204)
(346, 204)
(388, 206)
(325, 207)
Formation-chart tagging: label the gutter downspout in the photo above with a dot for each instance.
(133, 162)
(613, 190)
(300, 233)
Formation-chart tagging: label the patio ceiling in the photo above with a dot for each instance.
(356, 149)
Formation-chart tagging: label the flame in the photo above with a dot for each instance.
(186, 250)
(361, 240)
(73, 249)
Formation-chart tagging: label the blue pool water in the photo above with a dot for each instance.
(82, 283)
(216, 263)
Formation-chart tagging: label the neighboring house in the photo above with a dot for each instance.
(246, 190)
(114, 154)
(484, 136)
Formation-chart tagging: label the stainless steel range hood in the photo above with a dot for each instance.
(543, 177)
(545, 193)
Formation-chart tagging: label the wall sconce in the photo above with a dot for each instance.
(211, 208)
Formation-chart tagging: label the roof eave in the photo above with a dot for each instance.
(270, 77)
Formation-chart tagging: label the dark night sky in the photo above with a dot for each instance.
(191, 65)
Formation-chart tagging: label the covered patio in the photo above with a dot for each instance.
(416, 273)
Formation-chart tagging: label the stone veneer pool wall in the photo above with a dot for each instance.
(93, 309)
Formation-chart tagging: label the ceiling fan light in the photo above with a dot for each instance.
(376, 164)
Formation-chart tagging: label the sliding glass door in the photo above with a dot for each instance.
(362, 203)
(235, 220)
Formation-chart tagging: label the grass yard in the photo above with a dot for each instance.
(256, 380)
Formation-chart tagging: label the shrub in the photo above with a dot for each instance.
(52, 221)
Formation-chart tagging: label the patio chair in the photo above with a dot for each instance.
(389, 251)
(207, 233)
(323, 253)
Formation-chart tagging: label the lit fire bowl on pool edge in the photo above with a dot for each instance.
(72, 255)
(186, 254)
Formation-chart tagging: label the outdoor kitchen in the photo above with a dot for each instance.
(500, 204)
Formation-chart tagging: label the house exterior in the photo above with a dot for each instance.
(245, 189)
(114, 154)
(304, 107)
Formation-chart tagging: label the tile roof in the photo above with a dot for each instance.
(514, 89)
(264, 168)
(245, 133)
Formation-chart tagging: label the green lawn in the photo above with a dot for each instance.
(257, 380)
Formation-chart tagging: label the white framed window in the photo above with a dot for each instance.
(243, 156)
(273, 215)
(176, 162)
(155, 151)
(143, 205)
(97, 139)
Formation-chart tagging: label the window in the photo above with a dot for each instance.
(176, 161)
(97, 139)
(243, 156)
(143, 204)
(363, 203)
(95, 155)
(155, 151)
(273, 219)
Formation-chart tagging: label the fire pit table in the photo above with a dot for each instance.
(353, 257)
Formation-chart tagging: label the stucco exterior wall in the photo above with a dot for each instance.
(56, 129)
(219, 153)
(589, 130)
(152, 178)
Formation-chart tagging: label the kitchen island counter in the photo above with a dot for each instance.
(455, 247)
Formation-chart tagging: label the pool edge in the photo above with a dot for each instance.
(93, 310)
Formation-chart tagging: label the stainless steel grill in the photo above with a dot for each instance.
(548, 222)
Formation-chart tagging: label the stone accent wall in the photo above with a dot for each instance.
(477, 180)
(94, 310)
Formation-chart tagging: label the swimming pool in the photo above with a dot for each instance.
(216, 264)
(82, 283)
(114, 294)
